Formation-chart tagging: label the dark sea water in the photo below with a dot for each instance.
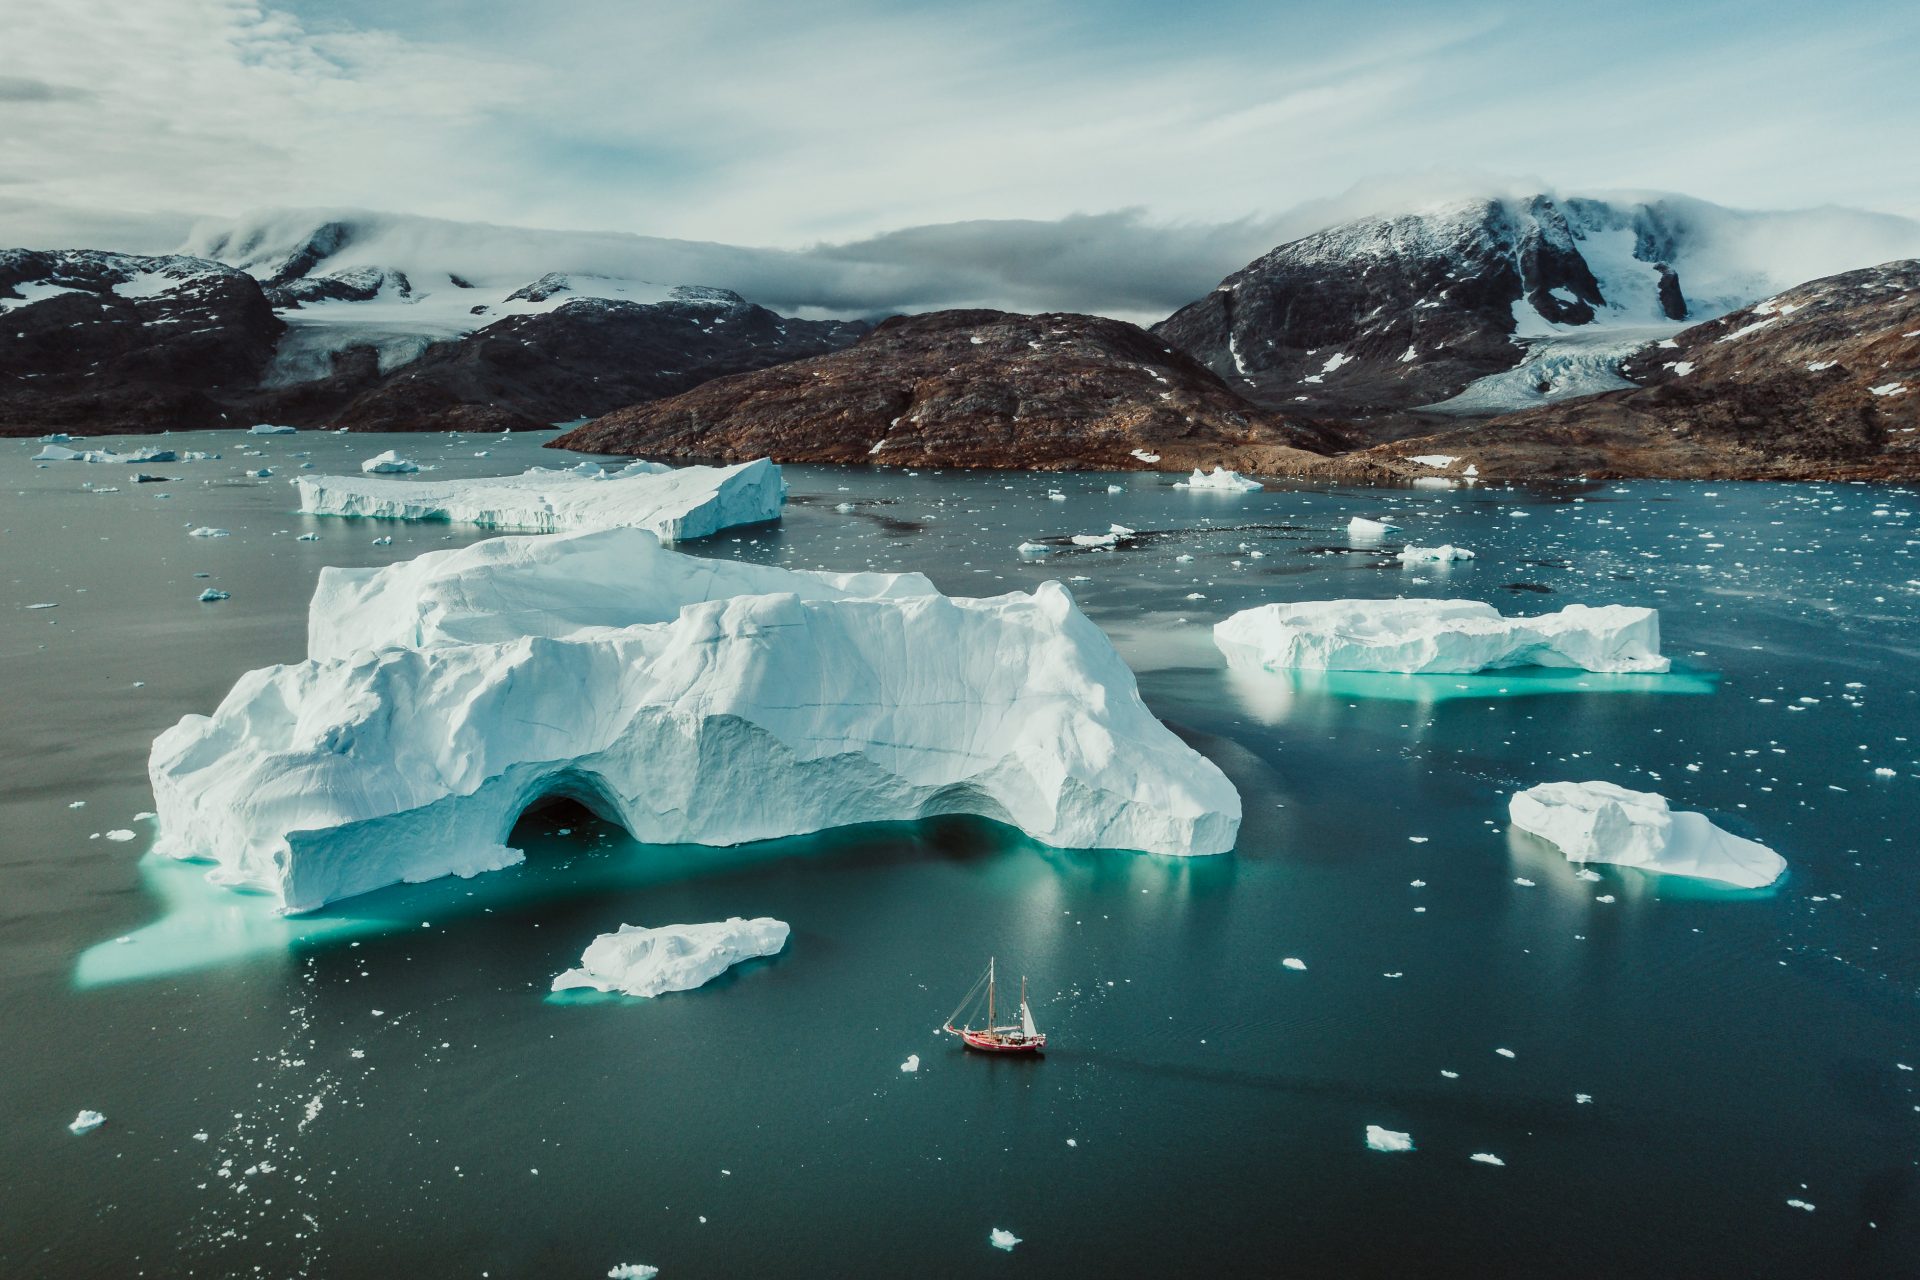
(387, 1089)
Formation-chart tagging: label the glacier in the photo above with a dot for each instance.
(676, 504)
(1601, 822)
(689, 700)
(638, 961)
(1452, 636)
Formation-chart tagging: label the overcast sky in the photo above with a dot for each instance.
(789, 124)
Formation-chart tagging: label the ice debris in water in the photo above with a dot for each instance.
(1433, 555)
(1379, 1139)
(1361, 527)
(1483, 1158)
(1601, 822)
(633, 1271)
(1455, 636)
(213, 595)
(1004, 1240)
(912, 1063)
(1505, 1053)
(206, 531)
(87, 1122)
(639, 961)
(120, 835)
(1293, 962)
(1804, 1205)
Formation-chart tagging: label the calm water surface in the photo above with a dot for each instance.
(387, 1089)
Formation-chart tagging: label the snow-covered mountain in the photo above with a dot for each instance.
(1488, 305)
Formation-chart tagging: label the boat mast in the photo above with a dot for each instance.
(989, 995)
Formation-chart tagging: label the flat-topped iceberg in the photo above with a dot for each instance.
(1219, 478)
(638, 961)
(678, 505)
(686, 699)
(1600, 822)
(1451, 636)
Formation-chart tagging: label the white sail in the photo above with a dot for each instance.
(1026, 1019)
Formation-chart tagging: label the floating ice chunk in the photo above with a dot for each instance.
(1295, 963)
(1601, 822)
(1505, 1053)
(1034, 549)
(1361, 527)
(1431, 555)
(1582, 1099)
(56, 453)
(1804, 1205)
(390, 463)
(1003, 1240)
(1379, 1139)
(691, 502)
(691, 700)
(270, 429)
(1220, 478)
(912, 1064)
(1116, 488)
(86, 1122)
(1483, 1158)
(208, 531)
(633, 1271)
(308, 537)
(120, 835)
(1438, 636)
(639, 961)
(1114, 536)
(213, 595)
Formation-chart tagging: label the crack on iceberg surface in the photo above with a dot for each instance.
(678, 505)
(1450, 636)
(1601, 822)
(688, 700)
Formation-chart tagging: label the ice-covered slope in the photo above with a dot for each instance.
(1438, 636)
(675, 504)
(1441, 304)
(738, 718)
(1601, 822)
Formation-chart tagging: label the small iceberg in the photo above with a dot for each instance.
(639, 961)
(1433, 555)
(1600, 822)
(912, 1064)
(676, 505)
(1220, 479)
(388, 463)
(1453, 636)
(1002, 1240)
(213, 595)
(1361, 527)
(86, 1122)
(633, 1271)
(270, 429)
(1113, 537)
(207, 531)
(1379, 1139)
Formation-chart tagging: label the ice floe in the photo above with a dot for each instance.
(1601, 822)
(1003, 1240)
(639, 961)
(1438, 636)
(912, 1064)
(270, 429)
(1219, 478)
(633, 1271)
(688, 699)
(388, 463)
(86, 1122)
(1433, 555)
(690, 502)
(1379, 1139)
(1361, 527)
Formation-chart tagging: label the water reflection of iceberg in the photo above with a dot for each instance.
(1272, 696)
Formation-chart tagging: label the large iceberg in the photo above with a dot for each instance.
(1600, 822)
(638, 961)
(689, 700)
(1438, 636)
(677, 504)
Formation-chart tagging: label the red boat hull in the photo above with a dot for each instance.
(984, 1043)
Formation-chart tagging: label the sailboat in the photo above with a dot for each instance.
(1020, 1037)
